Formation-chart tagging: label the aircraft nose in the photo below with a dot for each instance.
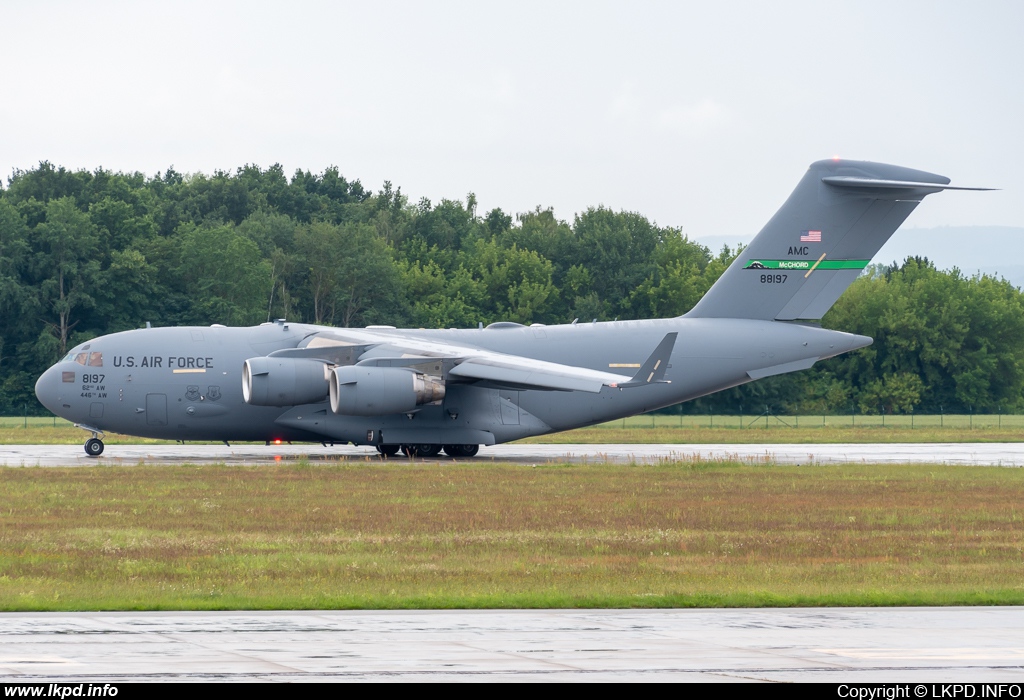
(48, 389)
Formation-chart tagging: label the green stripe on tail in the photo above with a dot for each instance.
(806, 265)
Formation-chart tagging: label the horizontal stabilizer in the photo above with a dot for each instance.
(873, 183)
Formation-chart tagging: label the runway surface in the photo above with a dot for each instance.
(1005, 454)
(844, 645)
(855, 645)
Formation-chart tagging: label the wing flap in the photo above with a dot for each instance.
(556, 380)
(331, 354)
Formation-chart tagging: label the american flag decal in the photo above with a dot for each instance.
(810, 236)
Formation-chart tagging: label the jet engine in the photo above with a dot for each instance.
(270, 381)
(378, 391)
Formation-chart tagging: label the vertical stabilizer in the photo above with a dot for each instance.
(816, 245)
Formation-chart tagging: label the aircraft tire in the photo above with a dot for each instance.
(411, 451)
(470, 450)
(388, 450)
(428, 450)
(94, 447)
(461, 450)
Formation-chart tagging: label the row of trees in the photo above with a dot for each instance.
(943, 343)
(88, 253)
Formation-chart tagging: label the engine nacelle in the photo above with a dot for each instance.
(272, 381)
(379, 391)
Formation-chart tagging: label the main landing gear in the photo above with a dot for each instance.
(421, 450)
(461, 450)
(428, 450)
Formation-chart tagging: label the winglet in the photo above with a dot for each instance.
(653, 370)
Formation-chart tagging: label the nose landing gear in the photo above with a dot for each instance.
(94, 445)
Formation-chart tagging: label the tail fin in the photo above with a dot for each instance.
(816, 245)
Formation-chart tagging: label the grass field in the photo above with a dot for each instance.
(412, 534)
(672, 429)
(797, 429)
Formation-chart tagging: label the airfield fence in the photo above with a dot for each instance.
(764, 421)
(771, 421)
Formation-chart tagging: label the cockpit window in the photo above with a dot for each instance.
(95, 359)
(81, 356)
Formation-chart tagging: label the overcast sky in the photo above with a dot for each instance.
(702, 116)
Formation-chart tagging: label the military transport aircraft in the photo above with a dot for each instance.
(422, 391)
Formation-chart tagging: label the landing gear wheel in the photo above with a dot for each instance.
(411, 451)
(387, 450)
(461, 450)
(94, 447)
(428, 450)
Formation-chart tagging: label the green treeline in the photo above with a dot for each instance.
(84, 254)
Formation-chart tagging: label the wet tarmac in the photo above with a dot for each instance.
(1003, 454)
(839, 645)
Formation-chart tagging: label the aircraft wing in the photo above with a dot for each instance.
(465, 364)
(510, 370)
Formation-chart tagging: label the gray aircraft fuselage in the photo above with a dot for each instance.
(458, 389)
(186, 383)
